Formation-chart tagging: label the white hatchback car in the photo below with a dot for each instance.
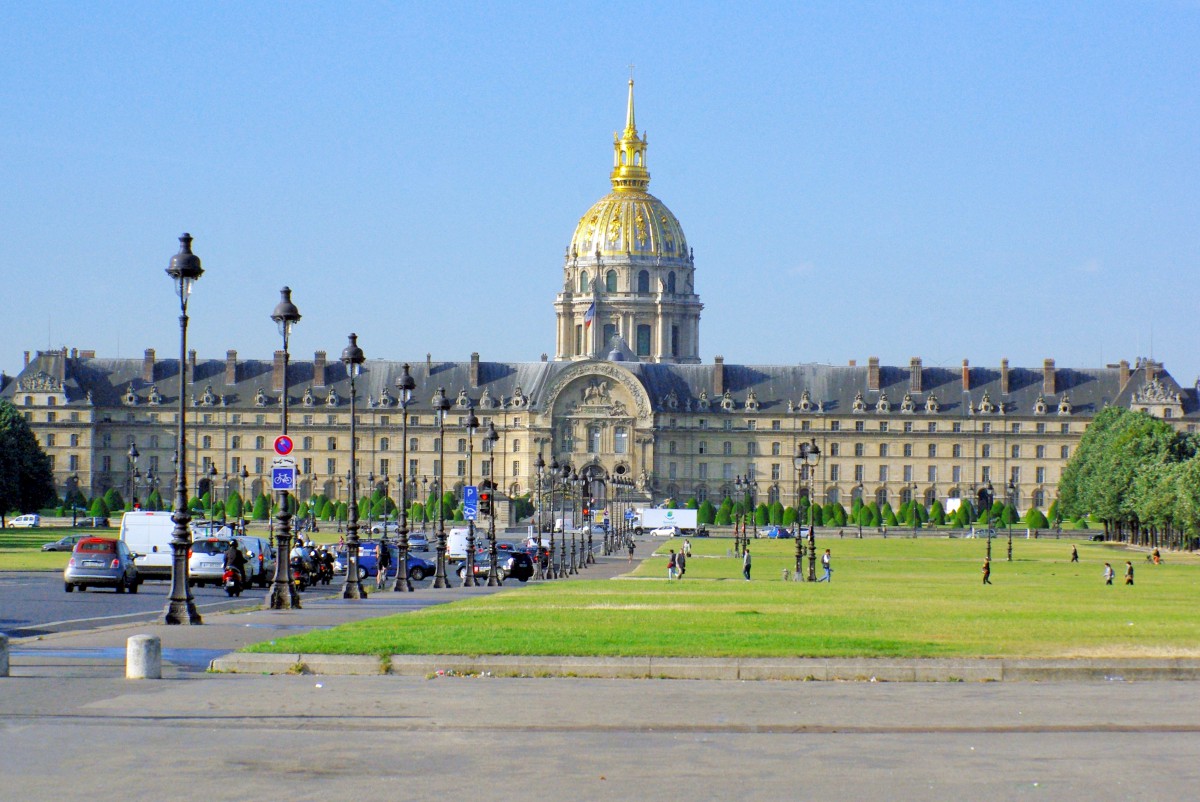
(665, 531)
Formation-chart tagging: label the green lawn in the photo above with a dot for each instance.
(894, 597)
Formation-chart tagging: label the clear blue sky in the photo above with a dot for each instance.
(944, 180)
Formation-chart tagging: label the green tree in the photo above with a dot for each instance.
(233, 506)
(724, 515)
(776, 513)
(26, 479)
(790, 516)
(761, 514)
(113, 500)
(707, 514)
(672, 504)
(154, 500)
(1034, 519)
(692, 504)
(937, 513)
(261, 508)
(887, 515)
(99, 509)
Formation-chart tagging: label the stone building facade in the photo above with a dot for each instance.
(626, 395)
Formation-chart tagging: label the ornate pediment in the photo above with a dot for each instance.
(986, 406)
(155, 398)
(883, 405)
(1155, 392)
(332, 399)
(907, 405)
(859, 404)
(130, 398)
(40, 382)
(931, 404)
(308, 399)
(752, 401)
(260, 398)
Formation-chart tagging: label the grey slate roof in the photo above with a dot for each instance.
(834, 387)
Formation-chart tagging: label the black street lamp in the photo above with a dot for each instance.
(245, 474)
(862, 503)
(539, 468)
(353, 358)
(491, 438)
(564, 569)
(405, 385)
(577, 483)
(555, 472)
(807, 457)
(212, 496)
(184, 270)
(133, 473)
(912, 507)
(1012, 494)
(441, 405)
(986, 495)
(370, 504)
(472, 425)
(73, 481)
(283, 595)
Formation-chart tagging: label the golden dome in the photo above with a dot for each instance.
(629, 220)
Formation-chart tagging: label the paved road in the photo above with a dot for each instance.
(306, 737)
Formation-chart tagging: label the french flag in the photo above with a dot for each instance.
(589, 315)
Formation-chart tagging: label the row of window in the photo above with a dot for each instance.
(860, 449)
(610, 282)
(775, 494)
(908, 473)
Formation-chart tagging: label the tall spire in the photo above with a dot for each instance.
(630, 126)
(629, 153)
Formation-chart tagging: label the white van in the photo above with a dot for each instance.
(456, 543)
(149, 535)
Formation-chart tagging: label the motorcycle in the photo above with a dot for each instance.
(300, 575)
(232, 581)
(324, 573)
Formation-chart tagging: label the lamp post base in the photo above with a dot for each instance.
(182, 612)
(283, 596)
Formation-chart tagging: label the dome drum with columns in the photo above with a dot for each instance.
(630, 265)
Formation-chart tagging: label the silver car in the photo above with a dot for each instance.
(260, 558)
(206, 565)
(102, 562)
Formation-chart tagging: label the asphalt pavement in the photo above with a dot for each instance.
(70, 725)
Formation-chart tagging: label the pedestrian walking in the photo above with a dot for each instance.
(382, 563)
(987, 571)
(681, 562)
(1108, 574)
(671, 566)
(826, 567)
(1156, 557)
(746, 564)
(1074, 554)
(1128, 573)
(687, 547)
(631, 547)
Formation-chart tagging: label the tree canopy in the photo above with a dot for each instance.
(26, 479)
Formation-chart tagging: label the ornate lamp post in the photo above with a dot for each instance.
(912, 507)
(490, 437)
(245, 474)
(405, 385)
(212, 496)
(1012, 494)
(862, 503)
(184, 270)
(133, 472)
(986, 495)
(440, 406)
(539, 468)
(472, 424)
(577, 483)
(807, 457)
(370, 505)
(425, 496)
(555, 472)
(283, 595)
(564, 569)
(73, 481)
(590, 558)
(353, 358)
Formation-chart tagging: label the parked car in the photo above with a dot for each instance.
(92, 522)
(206, 565)
(25, 521)
(509, 563)
(385, 528)
(779, 532)
(64, 543)
(368, 562)
(665, 531)
(101, 562)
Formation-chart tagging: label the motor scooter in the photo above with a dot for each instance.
(232, 581)
(300, 575)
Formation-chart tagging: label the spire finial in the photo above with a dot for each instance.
(629, 157)
(630, 125)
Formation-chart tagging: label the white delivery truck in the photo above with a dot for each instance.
(654, 517)
(456, 543)
(149, 535)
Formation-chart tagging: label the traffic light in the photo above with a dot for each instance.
(485, 502)
(586, 514)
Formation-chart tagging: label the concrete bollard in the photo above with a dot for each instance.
(143, 657)
(3, 655)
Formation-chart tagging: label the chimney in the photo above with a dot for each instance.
(1152, 369)
(429, 363)
(148, 366)
(277, 372)
(873, 373)
(718, 375)
(1004, 376)
(192, 364)
(26, 359)
(230, 367)
(853, 363)
(914, 375)
(966, 376)
(319, 369)
(74, 353)
(474, 375)
(1049, 384)
(1124, 366)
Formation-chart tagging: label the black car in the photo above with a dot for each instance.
(509, 564)
(94, 522)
